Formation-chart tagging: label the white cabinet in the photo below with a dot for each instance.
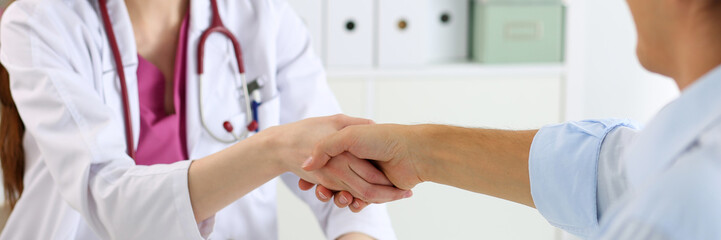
(508, 103)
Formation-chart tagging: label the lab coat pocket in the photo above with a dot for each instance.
(223, 106)
(269, 113)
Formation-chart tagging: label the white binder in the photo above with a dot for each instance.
(349, 33)
(402, 32)
(449, 28)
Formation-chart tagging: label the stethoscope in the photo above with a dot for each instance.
(216, 26)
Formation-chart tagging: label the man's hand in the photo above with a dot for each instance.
(487, 161)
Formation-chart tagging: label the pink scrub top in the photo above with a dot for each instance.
(162, 136)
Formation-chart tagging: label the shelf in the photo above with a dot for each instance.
(454, 70)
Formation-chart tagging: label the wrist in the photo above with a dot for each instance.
(421, 140)
(265, 149)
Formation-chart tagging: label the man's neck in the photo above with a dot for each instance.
(698, 49)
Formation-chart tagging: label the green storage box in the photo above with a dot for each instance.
(518, 31)
(521, 1)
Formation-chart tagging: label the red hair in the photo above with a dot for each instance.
(12, 153)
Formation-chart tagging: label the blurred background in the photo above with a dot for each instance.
(512, 64)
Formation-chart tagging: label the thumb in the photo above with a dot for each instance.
(315, 163)
(331, 146)
(343, 121)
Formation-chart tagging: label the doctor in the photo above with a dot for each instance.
(601, 179)
(86, 156)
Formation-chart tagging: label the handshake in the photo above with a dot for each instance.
(357, 162)
(362, 163)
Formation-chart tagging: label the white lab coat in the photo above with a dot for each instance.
(79, 182)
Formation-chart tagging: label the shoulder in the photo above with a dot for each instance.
(50, 18)
(52, 34)
(682, 203)
(50, 10)
(41, 25)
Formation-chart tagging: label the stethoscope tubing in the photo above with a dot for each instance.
(249, 118)
(217, 26)
(121, 74)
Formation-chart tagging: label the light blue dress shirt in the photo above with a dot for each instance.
(603, 179)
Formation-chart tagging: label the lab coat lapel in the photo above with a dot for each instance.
(125, 38)
(199, 20)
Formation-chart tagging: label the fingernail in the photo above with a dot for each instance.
(356, 205)
(323, 196)
(408, 194)
(307, 162)
(343, 200)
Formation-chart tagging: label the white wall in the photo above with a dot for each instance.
(614, 84)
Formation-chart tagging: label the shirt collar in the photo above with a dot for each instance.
(675, 128)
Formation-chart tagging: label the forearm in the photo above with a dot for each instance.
(492, 162)
(219, 179)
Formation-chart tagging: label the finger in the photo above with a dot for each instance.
(358, 205)
(322, 193)
(360, 188)
(305, 185)
(328, 148)
(343, 199)
(373, 193)
(319, 158)
(366, 170)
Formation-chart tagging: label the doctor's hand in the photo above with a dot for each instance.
(392, 147)
(290, 145)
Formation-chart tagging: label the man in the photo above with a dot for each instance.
(599, 178)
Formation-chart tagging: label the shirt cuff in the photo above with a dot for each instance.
(372, 221)
(563, 172)
(186, 220)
